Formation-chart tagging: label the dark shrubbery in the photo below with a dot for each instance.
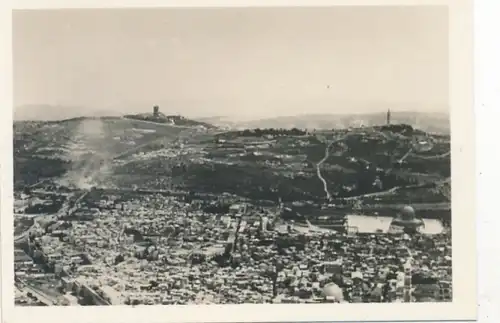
(266, 132)
(32, 170)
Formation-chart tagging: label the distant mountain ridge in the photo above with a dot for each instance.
(429, 122)
(47, 112)
(435, 123)
(55, 113)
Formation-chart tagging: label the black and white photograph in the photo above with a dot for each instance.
(233, 155)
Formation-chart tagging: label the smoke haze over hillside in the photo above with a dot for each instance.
(89, 157)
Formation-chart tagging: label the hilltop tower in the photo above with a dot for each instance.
(156, 111)
(388, 116)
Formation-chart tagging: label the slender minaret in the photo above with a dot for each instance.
(388, 116)
(408, 285)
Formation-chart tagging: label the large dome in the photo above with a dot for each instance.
(407, 220)
(408, 213)
(334, 291)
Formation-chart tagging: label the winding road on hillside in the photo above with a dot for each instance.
(411, 150)
(385, 192)
(318, 172)
(446, 154)
(318, 165)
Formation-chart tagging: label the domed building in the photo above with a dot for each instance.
(333, 293)
(407, 220)
(422, 144)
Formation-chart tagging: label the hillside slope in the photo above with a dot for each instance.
(82, 147)
(372, 165)
(174, 120)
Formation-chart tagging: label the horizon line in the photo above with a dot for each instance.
(105, 113)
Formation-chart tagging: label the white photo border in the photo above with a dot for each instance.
(464, 302)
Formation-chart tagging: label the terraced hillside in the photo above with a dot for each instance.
(369, 165)
(80, 148)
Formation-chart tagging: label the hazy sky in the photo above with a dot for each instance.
(238, 61)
